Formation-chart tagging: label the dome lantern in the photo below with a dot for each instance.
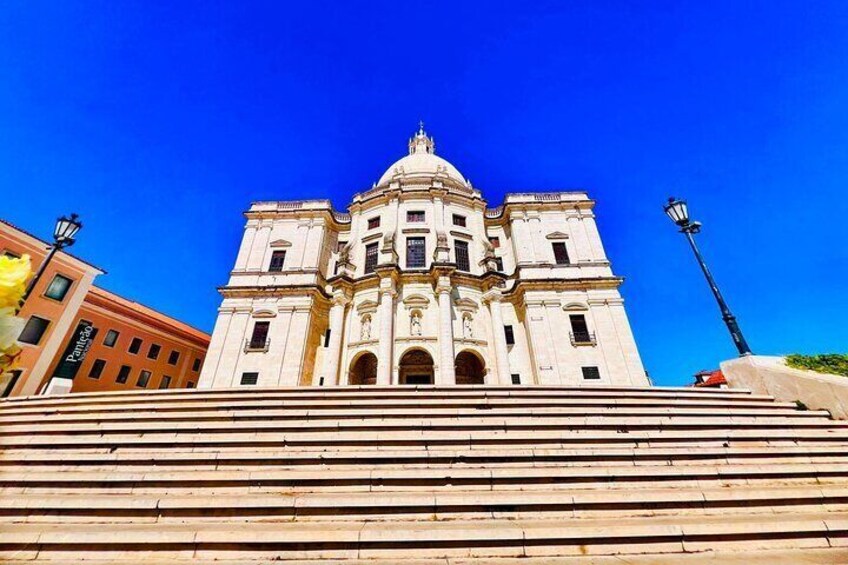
(422, 163)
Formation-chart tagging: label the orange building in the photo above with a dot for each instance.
(89, 339)
(132, 346)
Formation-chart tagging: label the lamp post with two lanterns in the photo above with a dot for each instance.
(678, 211)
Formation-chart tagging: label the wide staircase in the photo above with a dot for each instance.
(426, 475)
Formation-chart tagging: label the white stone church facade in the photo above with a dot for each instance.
(421, 283)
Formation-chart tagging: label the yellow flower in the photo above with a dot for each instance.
(13, 277)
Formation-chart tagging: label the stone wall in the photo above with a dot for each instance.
(770, 375)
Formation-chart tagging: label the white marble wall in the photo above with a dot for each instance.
(539, 313)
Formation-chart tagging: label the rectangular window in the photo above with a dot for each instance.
(165, 382)
(579, 329)
(143, 379)
(340, 245)
(249, 378)
(190, 384)
(278, 258)
(591, 373)
(123, 374)
(459, 220)
(327, 338)
(499, 264)
(174, 357)
(259, 337)
(111, 338)
(58, 288)
(196, 365)
(415, 217)
(509, 335)
(460, 249)
(374, 222)
(153, 352)
(11, 254)
(370, 258)
(135, 345)
(96, 369)
(560, 253)
(415, 256)
(516, 379)
(33, 330)
(495, 241)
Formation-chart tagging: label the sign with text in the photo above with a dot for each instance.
(76, 350)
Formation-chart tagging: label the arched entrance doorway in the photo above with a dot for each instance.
(363, 371)
(416, 368)
(470, 369)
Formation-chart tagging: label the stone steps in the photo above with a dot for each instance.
(536, 474)
(413, 414)
(405, 538)
(105, 460)
(810, 556)
(364, 480)
(432, 505)
(426, 439)
(421, 426)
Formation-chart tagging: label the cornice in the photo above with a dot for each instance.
(274, 291)
(596, 283)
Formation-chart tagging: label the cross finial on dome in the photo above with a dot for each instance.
(421, 143)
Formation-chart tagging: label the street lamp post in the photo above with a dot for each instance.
(678, 211)
(63, 236)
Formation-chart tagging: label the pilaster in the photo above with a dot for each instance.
(493, 298)
(447, 371)
(385, 358)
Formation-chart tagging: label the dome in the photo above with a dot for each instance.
(421, 162)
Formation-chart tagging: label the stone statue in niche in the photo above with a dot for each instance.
(442, 252)
(344, 254)
(489, 257)
(415, 324)
(467, 328)
(365, 329)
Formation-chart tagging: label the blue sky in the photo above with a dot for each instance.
(159, 122)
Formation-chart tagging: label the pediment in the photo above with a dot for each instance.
(575, 307)
(264, 313)
(557, 235)
(465, 305)
(416, 301)
(366, 307)
(277, 243)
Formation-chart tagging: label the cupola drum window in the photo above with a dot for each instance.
(370, 258)
(460, 249)
(415, 256)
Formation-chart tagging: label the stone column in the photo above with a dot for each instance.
(493, 297)
(522, 240)
(330, 370)
(447, 372)
(387, 318)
